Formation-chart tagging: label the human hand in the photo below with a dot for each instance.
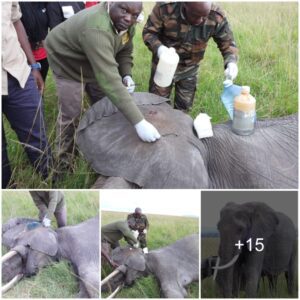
(135, 233)
(129, 83)
(161, 49)
(231, 71)
(146, 131)
(136, 245)
(46, 222)
(39, 80)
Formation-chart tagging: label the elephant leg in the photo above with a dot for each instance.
(290, 274)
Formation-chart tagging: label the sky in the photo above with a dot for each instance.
(163, 202)
(212, 202)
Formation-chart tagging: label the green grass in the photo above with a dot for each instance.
(209, 246)
(57, 280)
(163, 231)
(267, 37)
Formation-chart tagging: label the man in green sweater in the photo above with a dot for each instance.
(95, 47)
(50, 203)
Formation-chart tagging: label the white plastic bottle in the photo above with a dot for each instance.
(166, 67)
(244, 114)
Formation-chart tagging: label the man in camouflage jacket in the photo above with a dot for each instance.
(187, 27)
(140, 223)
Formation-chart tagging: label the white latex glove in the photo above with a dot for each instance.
(129, 83)
(146, 131)
(135, 233)
(140, 18)
(137, 245)
(145, 231)
(161, 49)
(46, 222)
(231, 71)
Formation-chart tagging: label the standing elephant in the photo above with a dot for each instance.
(274, 248)
(39, 246)
(267, 159)
(175, 266)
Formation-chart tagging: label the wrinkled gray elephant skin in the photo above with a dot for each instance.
(110, 144)
(266, 159)
(40, 246)
(276, 231)
(174, 266)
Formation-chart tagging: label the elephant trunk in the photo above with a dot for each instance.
(224, 269)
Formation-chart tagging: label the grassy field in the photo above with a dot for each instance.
(209, 246)
(267, 37)
(163, 231)
(56, 281)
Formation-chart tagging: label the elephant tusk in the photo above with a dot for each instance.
(115, 291)
(8, 255)
(111, 275)
(9, 285)
(229, 264)
(216, 268)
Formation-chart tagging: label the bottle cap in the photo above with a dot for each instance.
(245, 89)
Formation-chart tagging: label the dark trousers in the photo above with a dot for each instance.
(23, 109)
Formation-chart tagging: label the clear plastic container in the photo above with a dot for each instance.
(244, 114)
(166, 68)
(230, 91)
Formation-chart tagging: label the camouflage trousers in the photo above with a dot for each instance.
(142, 239)
(185, 82)
(70, 95)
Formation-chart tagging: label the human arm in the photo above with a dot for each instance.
(38, 201)
(153, 28)
(23, 40)
(98, 47)
(224, 39)
(53, 201)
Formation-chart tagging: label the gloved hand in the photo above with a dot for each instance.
(135, 233)
(145, 231)
(231, 71)
(136, 245)
(46, 222)
(161, 49)
(140, 18)
(129, 83)
(146, 131)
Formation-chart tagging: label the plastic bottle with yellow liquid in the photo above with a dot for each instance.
(244, 114)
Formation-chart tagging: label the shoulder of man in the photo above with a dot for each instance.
(130, 216)
(168, 7)
(143, 216)
(217, 12)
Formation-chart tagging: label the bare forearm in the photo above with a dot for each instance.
(22, 37)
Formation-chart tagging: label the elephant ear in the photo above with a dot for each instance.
(43, 240)
(136, 261)
(263, 221)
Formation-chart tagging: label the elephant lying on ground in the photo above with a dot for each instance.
(241, 269)
(33, 246)
(266, 159)
(175, 266)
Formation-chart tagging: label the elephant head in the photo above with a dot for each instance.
(36, 245)
(133, 262)
(240, 222)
